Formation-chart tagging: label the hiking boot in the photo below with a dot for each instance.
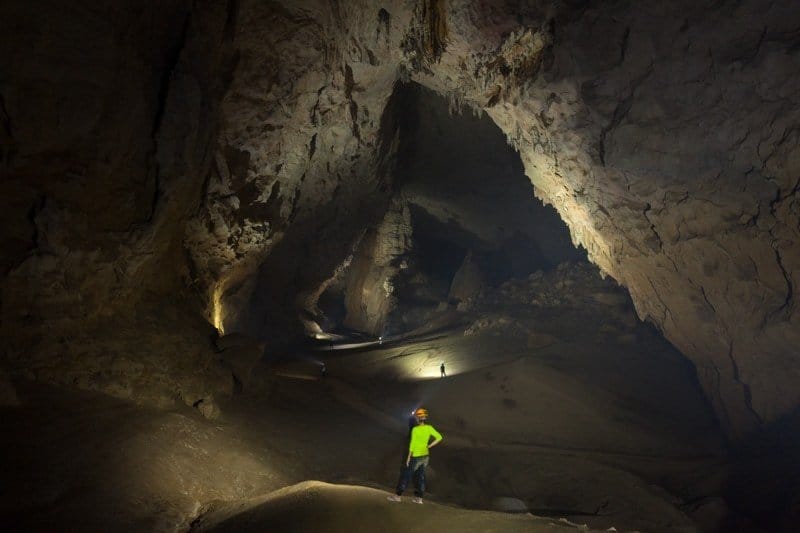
(416, 500)
(394, 498)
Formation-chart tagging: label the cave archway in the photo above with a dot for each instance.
(462, 208)
(607, 134)
(184, 184)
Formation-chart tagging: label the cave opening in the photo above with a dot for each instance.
(242, 240)
(467, 270)
(470, 222)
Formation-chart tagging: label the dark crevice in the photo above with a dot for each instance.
(756, 50)
(747, 396)
(708, 302)
(722, 413)
(349, 84)
(384, 23)
(35, 209)
(296, 199)
(312, 146)
(5, 120)
(156, 191)
(6, 135)
(428, 39)
(388, 129)
(173, 54)
(788, 302)
(659, 244)
(315, 109)
(746, 393)
(552, 512)
(624, 47)
(13, 261)
(230, 20)
(620, 112)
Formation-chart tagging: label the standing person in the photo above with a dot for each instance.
(441, 369)
(419, 446)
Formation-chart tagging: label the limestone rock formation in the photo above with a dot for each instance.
(369, 297)
(107, 112)
(232, 153)
(636, 146)
(468, 281)
(303, 159)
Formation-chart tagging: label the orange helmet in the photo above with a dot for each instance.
(421, 413)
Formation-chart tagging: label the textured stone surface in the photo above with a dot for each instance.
(634, 124)
(663, 133)
(369, 297)
(468, 280)
(459, 202)
(107, 112)
(302, 161)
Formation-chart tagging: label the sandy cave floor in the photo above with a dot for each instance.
(71, 454)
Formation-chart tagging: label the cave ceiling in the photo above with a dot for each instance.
(237, 156)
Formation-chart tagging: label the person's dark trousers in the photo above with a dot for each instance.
(416, 467)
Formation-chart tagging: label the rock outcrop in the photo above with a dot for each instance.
(663, 135)
(468, 281)
(233, 153)
(370, 286)
(107, 112)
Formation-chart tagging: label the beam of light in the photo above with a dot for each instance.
(425, 364)
(217, 306)
(293, 375)
(156, 460)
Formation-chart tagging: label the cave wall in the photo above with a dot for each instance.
(226, 158)
(107, 112)
(455, 164)
(306, 159)
(369, 282)
(664, 136)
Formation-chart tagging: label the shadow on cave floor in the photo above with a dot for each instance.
(570, 406)
(555, 365)
(87, 462)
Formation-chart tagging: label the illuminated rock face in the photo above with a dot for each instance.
(369, 297)
(646, 145)
(234, 155)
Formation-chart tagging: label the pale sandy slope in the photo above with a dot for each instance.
(326, 508)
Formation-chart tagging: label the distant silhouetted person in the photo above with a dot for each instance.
(324, 370)
(419, 446)
(441, 369)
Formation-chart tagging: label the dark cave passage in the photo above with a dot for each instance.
(471, 215)
(241, 239)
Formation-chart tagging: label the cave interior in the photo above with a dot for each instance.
(243, 240)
